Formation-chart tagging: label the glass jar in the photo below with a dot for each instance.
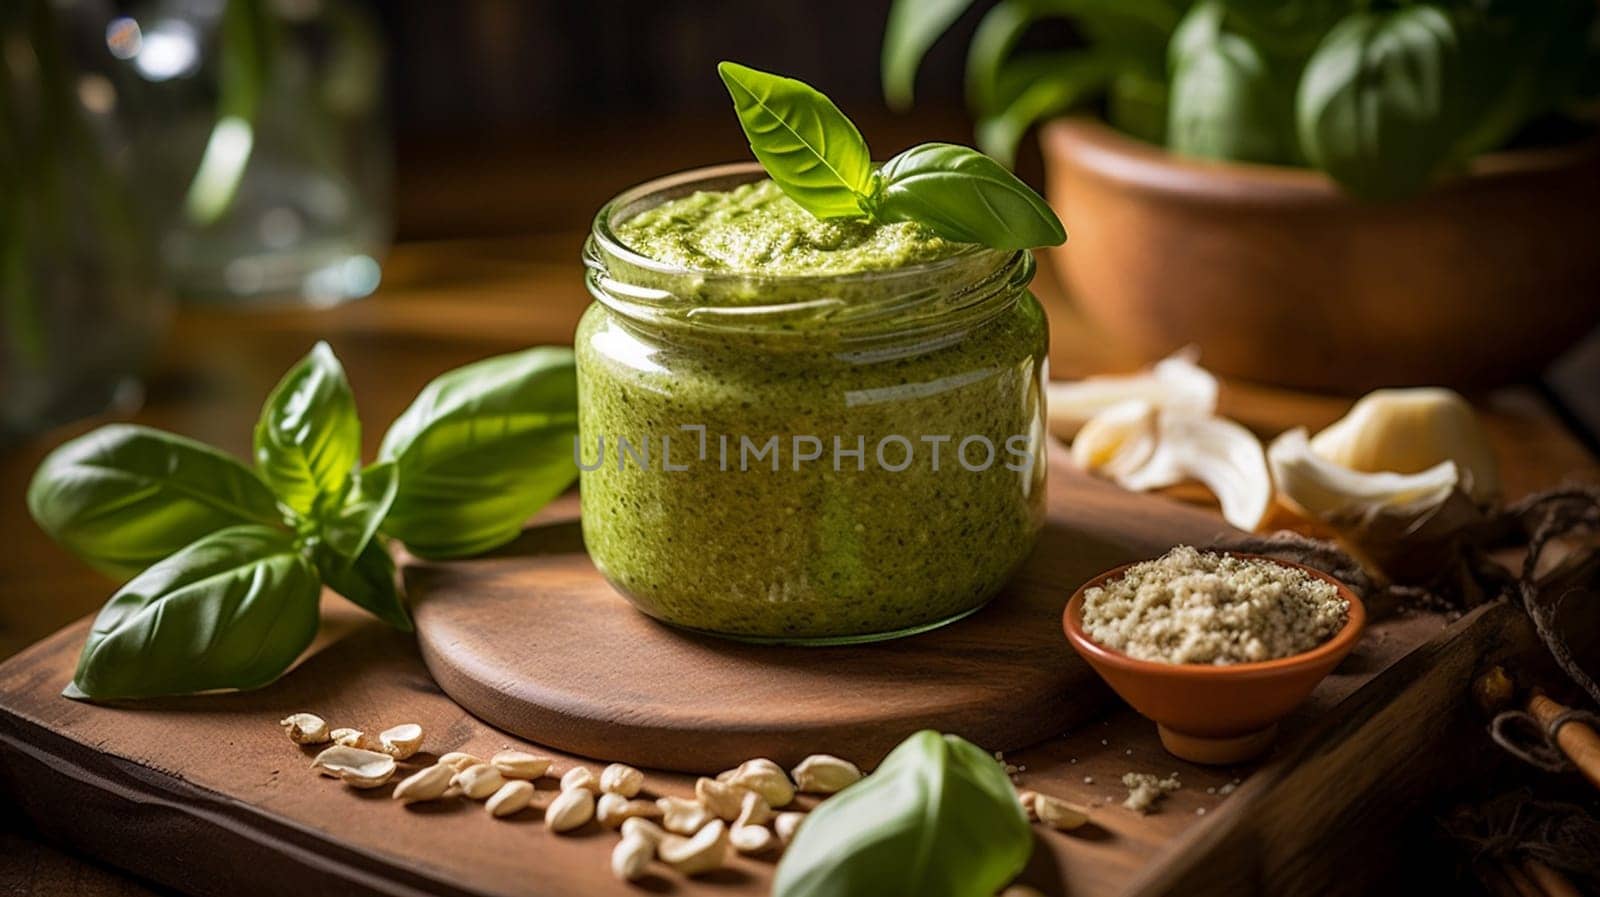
(812, 458)
(82, 308)
(264, 144)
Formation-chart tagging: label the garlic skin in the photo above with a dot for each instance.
(1320, 489)
(1117, 441)
(1176, 383)
(1411, 431)
(1142, 449)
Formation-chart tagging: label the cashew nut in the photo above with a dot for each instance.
(402, 741)
(707, 850)
(427, 784)
(571, 809)
(520, 764)
(681, 816)
(631, 857)
(305, 728)
(512, 797)
(619, 778)
(825, 774)
(356, 767)
(765, 778)
(478, 781)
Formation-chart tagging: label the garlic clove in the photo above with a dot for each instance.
(1409, 431)
(1219, 453)
(1175, 383)
(1118, 440)
(1323, 490)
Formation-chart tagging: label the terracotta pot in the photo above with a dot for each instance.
(1215, 714)
(1280, 278)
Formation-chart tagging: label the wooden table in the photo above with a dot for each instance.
(446, 302)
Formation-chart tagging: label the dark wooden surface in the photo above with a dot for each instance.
(448, 301)
(533, 640)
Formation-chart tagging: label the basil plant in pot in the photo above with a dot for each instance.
(1321, 194)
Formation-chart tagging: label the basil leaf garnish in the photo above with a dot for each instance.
(480, 450)
(367, 581)
(123, 497)
(1377, 105)
(819, 159)
(232, 610)
(308, 438)
(963, 195)
(368, 496)
(805, 143)
(938, 818)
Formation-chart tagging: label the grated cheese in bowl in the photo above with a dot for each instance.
(1201, 607)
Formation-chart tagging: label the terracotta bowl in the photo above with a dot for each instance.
(1281, 278)
(1215, 714)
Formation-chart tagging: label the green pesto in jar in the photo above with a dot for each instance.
(757, 229)
(870, 337)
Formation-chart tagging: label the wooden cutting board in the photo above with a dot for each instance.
(206, 796)
(534, 641)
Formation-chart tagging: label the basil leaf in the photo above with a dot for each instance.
(965, 196)
(308, 438)
(1226, 102)
(1376, 107)
(805, 143)
(480, 450)
(1519, 62)
(232, 610)
(368, 581)
(1197, 30)
(368, 496)
(914, 26)
(123, 497)
(938, 818)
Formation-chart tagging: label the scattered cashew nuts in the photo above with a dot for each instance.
(305, 728)
(520, 765)
(707, 850)
(1057, 813)
(751, 838)
(458, 760)
(613, 809)
(402, 741)
(786, 824)
(753, 810)
(571, 809)
(681, 816)
(620, 778)
(640, 827)
(721, 799)
(825, 774)
(512, 797)
(478, 781)
(428, 784)
(580, 777)
(356, 767)
(631, 857)
(765, 778)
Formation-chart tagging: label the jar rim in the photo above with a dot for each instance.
(950, 289)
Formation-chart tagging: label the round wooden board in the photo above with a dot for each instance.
(534, 641)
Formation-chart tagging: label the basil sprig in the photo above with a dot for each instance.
(938, 818)
(820, 160)
(227, 562)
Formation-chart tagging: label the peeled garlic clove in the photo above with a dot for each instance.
(1176, 383)
(1410, 431)
(1323, 490)
(1219, 453)
(357, 767)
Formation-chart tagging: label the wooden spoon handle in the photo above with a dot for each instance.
(1577, 739)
